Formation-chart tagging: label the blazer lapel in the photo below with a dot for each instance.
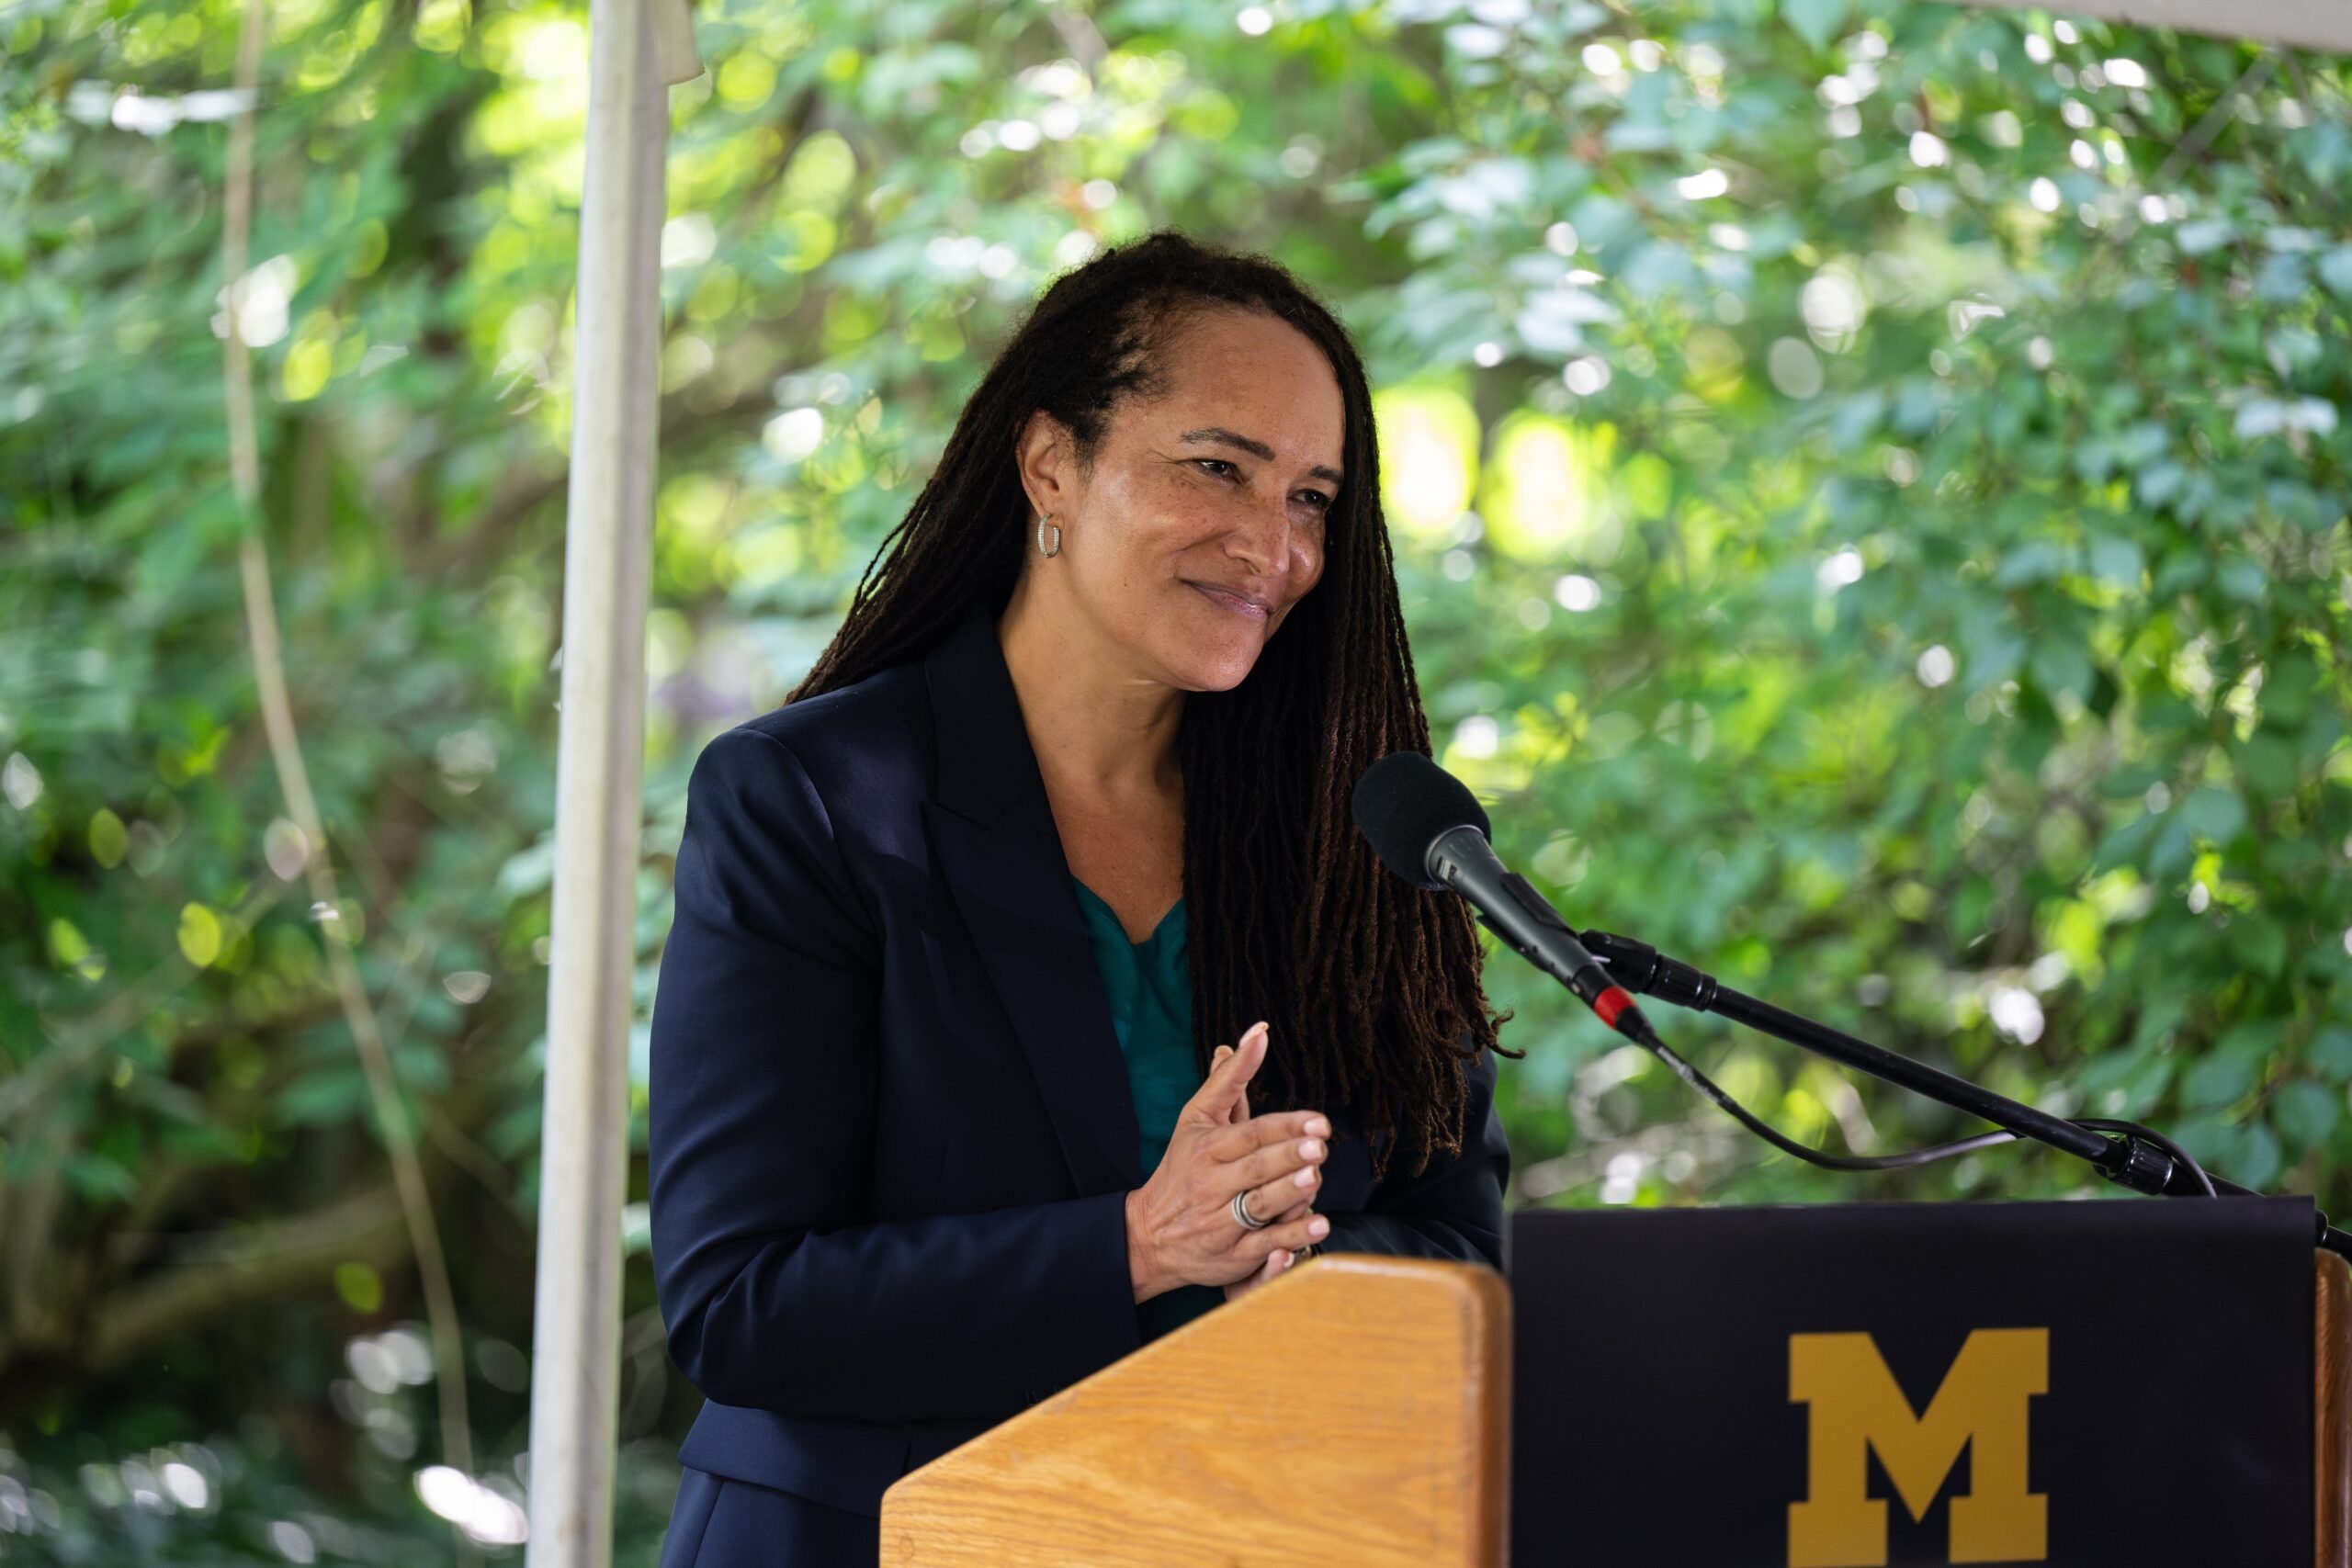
(993, 831)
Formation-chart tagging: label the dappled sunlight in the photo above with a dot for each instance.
(1868, 486)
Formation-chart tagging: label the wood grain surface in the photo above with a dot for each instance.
(1355, 1411)
(2332, 1410)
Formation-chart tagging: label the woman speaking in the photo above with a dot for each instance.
(943, 1114)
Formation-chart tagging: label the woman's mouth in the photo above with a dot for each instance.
(1245, 604)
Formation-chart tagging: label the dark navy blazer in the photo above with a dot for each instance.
(890, 1138)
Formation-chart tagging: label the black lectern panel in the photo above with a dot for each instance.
(2087, 1384)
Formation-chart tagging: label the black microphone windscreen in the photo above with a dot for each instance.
(1403, 803)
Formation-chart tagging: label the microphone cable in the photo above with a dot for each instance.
(1426, 828)
(1910, 1159)
(1690, 1075)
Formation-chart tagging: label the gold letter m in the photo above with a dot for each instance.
(1856, 1406)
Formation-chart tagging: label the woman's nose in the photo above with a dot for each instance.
(1267, 543)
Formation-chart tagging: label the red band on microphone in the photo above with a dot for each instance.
(1610, 1003)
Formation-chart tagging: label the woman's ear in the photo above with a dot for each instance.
(1041, 455)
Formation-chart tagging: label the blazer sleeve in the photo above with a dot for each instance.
(1454, 1209)
(776, 1290)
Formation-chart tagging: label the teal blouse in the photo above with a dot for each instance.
(1150, 988)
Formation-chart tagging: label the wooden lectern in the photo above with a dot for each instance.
(2332, 1409)
(1354, 1410)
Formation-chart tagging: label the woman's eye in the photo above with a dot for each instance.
(1321, 503)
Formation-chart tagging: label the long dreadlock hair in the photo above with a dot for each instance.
(1371, 985)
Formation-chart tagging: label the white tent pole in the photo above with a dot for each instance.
(635, 48)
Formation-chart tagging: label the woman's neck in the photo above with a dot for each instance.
(1097, 724)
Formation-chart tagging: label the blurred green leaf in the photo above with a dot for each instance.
(1816, 21)
(2306, 1113)
(2216, 1081)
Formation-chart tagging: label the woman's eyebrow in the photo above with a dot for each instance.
(1255, 449)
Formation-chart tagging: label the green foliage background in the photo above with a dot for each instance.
(1869, 479)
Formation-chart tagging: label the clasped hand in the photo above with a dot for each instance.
(1181, 1227)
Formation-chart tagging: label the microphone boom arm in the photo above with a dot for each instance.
(2130, 1160)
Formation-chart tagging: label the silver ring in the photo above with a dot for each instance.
(1241, 1206)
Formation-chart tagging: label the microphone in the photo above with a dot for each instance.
(1426, 827)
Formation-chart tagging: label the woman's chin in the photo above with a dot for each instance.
(1214, 668)
(1212, 645)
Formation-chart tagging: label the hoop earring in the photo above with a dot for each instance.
(1043, 548)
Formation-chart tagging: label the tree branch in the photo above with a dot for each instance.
(415, 1203)
(251, 1264)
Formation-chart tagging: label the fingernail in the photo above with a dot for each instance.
(1258, 1028)
(1281, 1257)
(1221, 1052)
(1309, 1149)
(1304, 1178)
(1317, 1127)
(1319, 1227)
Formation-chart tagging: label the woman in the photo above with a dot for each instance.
(942, 1119)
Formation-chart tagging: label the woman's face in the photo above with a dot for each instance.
(1202, 521)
